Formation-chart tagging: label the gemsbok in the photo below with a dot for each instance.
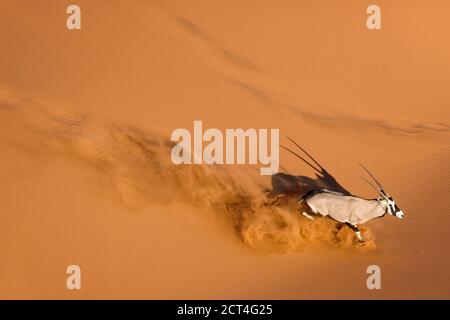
(335, 202)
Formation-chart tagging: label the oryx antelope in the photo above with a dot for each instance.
(337, 203)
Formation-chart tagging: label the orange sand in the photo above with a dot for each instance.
(85, 173)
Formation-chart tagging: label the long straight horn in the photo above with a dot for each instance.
(301, 158)
(370, 184)
(307, 153)
(370, 174)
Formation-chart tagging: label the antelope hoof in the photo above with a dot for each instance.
(358, 236)
(307, 216)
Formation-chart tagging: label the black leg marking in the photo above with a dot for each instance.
(351, 226)
(356, 230)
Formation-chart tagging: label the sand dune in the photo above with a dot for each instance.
(85, 171)
(137, 164)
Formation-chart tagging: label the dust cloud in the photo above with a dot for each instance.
(138, 166)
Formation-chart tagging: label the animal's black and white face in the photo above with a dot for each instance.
(391, 206)
(385, 199)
